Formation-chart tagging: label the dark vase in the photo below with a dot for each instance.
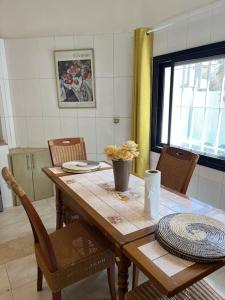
(121, 171)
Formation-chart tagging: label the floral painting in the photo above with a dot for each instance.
(75, 78)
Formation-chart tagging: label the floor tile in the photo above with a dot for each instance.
(16, 248)
(4, 281)
(29, 292)
(49, 222)
(95, 287)
(14, 231)
(92, 288)
(51, 201)
(22, 271)
(43, 207)
(41, 203)
(14, 222)
(216, 280)
(12, 215)
(7, 296)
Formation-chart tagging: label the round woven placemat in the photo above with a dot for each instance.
(193, 237)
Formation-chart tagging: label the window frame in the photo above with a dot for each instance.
(169, 60)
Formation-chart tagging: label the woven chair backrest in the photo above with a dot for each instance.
(176, 166)
(67, 149)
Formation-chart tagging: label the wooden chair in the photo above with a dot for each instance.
(68, 254)
(197, 291)
(62, 150)
(176, 167)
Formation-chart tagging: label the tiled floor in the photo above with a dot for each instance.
(17, 261)
(18, 266)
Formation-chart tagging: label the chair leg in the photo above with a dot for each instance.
(39, 279)
(135, 276)
(57, 296)
(111, 281)
(59, 209)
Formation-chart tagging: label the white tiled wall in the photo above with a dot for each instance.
(7, 125)
(191, 31)
(35, 113)
(6, 193)
(206, 184)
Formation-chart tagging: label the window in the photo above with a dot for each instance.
(188, 103)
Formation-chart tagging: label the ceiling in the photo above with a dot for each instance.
(31, 18)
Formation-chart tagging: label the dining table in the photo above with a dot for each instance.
(120, 216)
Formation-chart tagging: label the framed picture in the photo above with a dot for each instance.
(75, 78)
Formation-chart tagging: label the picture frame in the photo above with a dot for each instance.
(75, 78)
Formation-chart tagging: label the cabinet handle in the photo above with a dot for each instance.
(32, 159)
(28, 161)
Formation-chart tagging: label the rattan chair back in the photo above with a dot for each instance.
(39, 231)
(176, 166)
(67, 149)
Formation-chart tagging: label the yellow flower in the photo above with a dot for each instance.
(124, 154)
(111, 151)
(130, 146)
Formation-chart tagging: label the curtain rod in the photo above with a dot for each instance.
(181, 17)
(158, 28)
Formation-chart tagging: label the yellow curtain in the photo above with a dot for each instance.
(141, 107)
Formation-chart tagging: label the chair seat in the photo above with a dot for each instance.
(79, 251)
(198, 291)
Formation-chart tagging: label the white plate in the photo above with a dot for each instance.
(80, 166)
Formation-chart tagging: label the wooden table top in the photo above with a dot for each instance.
(169, 273)
(119, 215)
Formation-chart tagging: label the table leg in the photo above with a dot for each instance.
(123, 266)
(59, 209)
(135, 276)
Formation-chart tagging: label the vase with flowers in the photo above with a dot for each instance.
(121, 160)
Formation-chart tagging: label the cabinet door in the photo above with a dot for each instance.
(43, 187)
(22, 170)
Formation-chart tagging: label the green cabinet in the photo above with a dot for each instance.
(26, 165)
